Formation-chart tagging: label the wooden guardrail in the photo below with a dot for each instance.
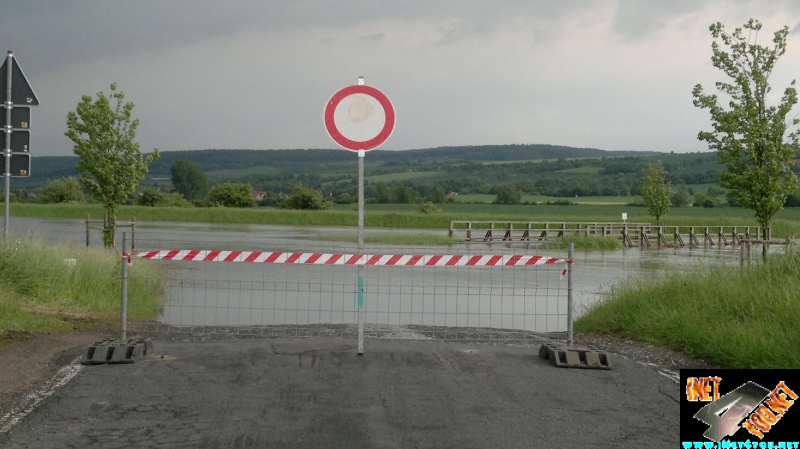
(631, 234)
(527, 231)
(673, 236)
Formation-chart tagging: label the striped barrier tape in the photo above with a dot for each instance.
(406, 260)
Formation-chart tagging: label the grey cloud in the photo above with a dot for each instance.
(478, 71)
(636, 19)
(373, 37)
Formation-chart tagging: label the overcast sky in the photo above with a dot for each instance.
(257, 74)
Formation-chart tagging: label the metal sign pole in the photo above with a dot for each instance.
(570, 301)
(347, 127)
(361, 313)
(123, 312)
(7, 172)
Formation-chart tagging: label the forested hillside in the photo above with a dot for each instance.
(532, 169)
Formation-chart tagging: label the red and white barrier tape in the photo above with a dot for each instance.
(406, 260)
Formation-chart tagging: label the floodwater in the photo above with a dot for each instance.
(235, 294)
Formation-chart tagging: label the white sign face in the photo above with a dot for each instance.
(624, 216)
(359, 117)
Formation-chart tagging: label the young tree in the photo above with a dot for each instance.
(507, 194)
(401, 194)
(437, 194)
(749, 136)
(189, 180)
(111, 164)
(655, 190)
(381, 193)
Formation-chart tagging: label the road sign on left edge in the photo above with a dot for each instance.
(20, 117)
(20, 141)
(21, 91)
(20, 165)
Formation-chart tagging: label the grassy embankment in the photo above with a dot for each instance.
(46, 288)
(731, 317)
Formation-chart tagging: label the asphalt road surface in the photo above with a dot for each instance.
(318, 393)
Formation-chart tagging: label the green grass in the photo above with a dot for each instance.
(582, 242)
(43, 291)
(731, 317)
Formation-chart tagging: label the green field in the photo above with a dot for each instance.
(404, 176)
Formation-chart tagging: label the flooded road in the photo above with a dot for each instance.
(228, 294)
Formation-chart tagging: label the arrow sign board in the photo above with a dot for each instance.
(359, 117)
(21, 91)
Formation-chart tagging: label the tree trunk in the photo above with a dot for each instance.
(109, 229)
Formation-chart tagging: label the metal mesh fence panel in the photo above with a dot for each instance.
(473, 299)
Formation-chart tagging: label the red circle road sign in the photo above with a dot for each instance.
(359, 117)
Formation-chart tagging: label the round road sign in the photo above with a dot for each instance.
(359, 117)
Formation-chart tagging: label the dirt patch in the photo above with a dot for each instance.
(29, 360)
(647, 353)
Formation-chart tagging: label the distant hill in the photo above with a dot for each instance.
(299, 161)
(540, 169)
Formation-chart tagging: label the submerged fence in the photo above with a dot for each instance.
(460, 291)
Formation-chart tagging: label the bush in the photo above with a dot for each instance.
(12, 198)
(232, 195)
(270, 200)
(429, 208)
(64, 190)
(154, 198)
(306, 199)
(345, 198)
(708, 201)
(560, 203)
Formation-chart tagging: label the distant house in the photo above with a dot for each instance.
(258, 195)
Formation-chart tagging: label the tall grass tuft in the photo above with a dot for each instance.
(54, 288)
(732, 317)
